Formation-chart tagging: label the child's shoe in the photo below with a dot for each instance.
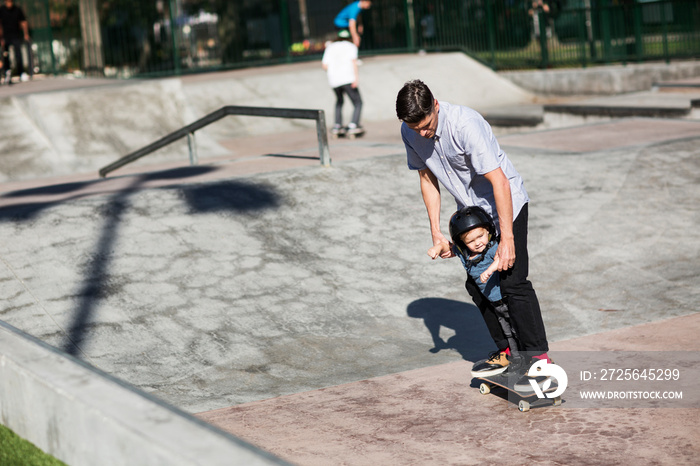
(496, 363)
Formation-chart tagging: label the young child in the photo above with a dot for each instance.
(475, 243)
(340, 62)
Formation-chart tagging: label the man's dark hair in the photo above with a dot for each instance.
(414, 102)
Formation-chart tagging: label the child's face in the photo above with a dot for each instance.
(476, 240)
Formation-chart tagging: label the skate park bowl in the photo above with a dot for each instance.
(225, 292)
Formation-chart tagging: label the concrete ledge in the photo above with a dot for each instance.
(619, 112)
(85, 417)
(602, 80)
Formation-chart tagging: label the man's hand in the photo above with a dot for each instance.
(506, 254)
(504, 208)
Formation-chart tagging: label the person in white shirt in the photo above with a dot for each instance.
(340, 62)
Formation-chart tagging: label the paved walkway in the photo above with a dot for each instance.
(435, 416)
(294, 305)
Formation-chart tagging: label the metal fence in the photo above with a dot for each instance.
(125, 38)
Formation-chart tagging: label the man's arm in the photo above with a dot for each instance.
(430, 189)
(504, 206)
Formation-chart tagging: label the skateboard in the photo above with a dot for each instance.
(526, 400)
(357, 133)
(344, 132)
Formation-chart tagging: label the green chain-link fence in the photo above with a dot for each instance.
(127, 38)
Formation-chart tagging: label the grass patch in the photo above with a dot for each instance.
(15, 451)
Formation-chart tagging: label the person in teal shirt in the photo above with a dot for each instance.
(348, 19)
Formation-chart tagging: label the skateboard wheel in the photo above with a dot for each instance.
(557, 401)
(523, 406)
(484, 389)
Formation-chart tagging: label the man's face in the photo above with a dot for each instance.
(428, 125)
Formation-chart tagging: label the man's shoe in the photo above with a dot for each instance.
(523, 385)
(496, 363)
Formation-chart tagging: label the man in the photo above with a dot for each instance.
(454, 145)
(15, 31)
(348, 19)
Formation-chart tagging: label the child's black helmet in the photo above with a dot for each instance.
(466, 219)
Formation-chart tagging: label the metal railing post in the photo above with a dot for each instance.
(322, 134)
(192, 146)
(174, 40)
(543, 39)
(410, 25)
(664, 30)
(491, 22)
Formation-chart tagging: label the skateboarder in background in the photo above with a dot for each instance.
(15, 31)
(455, 146)
(340, 62)
(348, 19)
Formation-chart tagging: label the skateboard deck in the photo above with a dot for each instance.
(344, 133)
(358, 134)
(525, 400)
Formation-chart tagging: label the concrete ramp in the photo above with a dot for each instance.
(451, 76)
(70, 131)
(24, 149)
(80, 130)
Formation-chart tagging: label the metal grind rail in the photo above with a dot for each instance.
(189, 130)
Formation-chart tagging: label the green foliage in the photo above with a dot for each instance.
(15, 451)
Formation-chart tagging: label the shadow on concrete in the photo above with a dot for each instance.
(96, 283)
(471, 338)
(76, 190)
(62, 188)
(289, 156)
(233, 196)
